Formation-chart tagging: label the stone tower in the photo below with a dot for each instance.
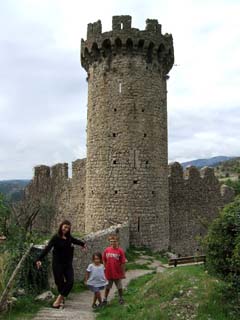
(127, 156)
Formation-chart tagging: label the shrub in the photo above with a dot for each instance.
(235, 184)
(223, 244)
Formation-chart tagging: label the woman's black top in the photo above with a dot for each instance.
(62, 249)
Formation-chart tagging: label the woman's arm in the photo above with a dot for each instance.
(47, 249)
(78, 242)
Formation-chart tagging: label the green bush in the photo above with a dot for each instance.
(223, 244)
(235, 184)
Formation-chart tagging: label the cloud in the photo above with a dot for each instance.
(43, 91)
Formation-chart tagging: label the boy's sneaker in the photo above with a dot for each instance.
(121, 301)
(104, 302)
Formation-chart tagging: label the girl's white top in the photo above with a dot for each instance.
(97, 276)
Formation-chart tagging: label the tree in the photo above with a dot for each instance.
(223, 244)
(4, 215)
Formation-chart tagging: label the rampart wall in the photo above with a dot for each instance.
(195, 198)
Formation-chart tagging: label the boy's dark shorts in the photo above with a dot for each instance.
(95, 289)
(118, 283)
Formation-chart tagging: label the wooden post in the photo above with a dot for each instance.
(10, 283)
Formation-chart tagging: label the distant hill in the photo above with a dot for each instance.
(211, 162)
(13, 189)
(228, 169)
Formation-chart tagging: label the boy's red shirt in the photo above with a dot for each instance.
(113, 260)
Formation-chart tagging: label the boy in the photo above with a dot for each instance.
(114, 261)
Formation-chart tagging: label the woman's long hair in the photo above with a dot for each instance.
(68, 223)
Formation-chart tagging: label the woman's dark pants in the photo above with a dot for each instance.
(64, 277)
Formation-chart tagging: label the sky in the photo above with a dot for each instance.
(43, 89)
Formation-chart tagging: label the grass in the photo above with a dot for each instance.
(78, 287)
(135, 266)
(133, 254)
(25, 308)
(178, 293)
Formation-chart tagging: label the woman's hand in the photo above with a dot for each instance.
(38, 264)
(84, 248)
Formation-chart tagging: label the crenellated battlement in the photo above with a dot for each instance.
(123, 39)
(41, 171)
(195, 198)
(59, 171)
(192, 173)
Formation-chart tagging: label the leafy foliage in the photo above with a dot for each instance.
(235, 184)
(19, 236)
(223, 244)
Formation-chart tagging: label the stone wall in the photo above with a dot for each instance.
(61, 197)
(126, 172)
(97, 242)
(195, 198)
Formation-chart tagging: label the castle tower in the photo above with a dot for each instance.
(127, 159)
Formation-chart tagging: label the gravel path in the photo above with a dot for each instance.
(78, 306)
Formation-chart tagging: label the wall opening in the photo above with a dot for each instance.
(121, 25)
(118, 44)
(129, 45)
(134, 159)
(150, 52)
(120, 87)
(114, 134)
(140, 44)
(138, 224)
(114, 161)
(115, 191)
(153, 193)
(143, 110)
(115, 110)
(145, 135)
(147, 162)
(135, 181)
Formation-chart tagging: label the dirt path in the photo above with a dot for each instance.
(78, 306)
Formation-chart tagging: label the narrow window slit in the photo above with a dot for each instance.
(120, 87)
(138, 224)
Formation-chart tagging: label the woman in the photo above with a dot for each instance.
(62, 244)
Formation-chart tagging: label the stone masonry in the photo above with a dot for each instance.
(125, 177)
(61, 196)
(126, 171)
(195, 198)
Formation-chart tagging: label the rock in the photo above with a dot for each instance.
(171, 255)
(20, 292)
(45, 296)
(11, 301)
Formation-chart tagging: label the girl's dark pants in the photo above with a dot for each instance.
(64, 277)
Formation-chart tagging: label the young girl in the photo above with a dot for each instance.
(95, 278)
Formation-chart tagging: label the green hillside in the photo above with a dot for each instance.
(13, 189)
(229, 169)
